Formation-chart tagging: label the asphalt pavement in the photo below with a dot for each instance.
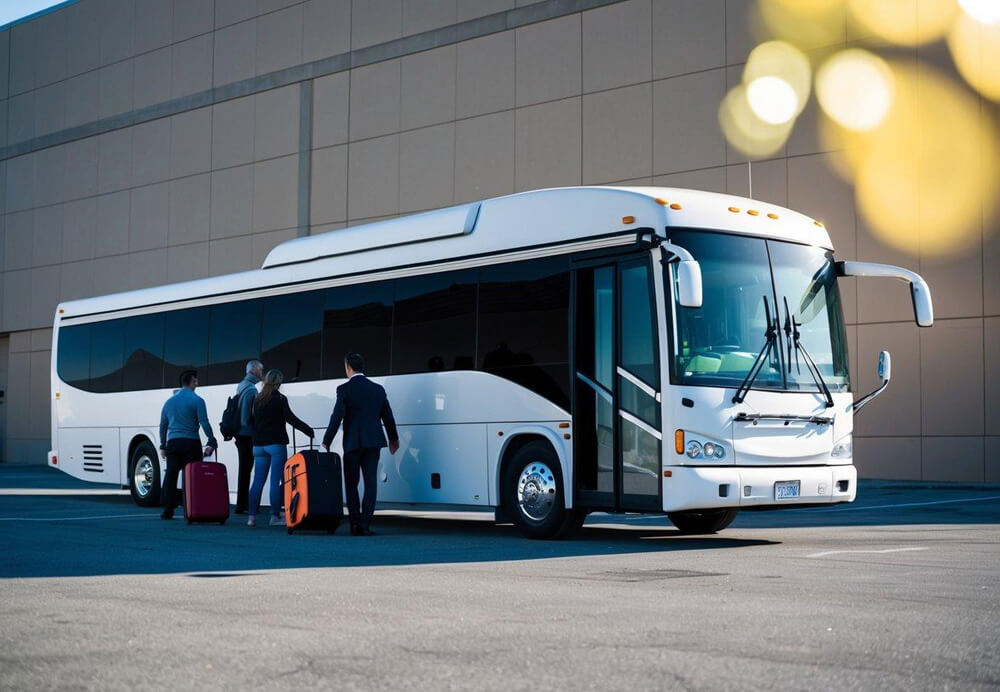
(900, 590)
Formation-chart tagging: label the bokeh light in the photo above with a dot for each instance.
(778, 78)
(855, 88)
(904, 22)
(927, 176)
(983, 11)
(975, 46)
(806, 23)
(772, 99)
(748, 132)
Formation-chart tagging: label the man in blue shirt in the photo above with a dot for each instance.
(180, 442)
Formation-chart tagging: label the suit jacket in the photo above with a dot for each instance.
(362, 406)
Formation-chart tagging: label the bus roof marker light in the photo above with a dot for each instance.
(818, 223)
(675, 205)
(753, 212)
(679, 441)
(628, 219)
(735, 210)
(659, 200)
(772, 215)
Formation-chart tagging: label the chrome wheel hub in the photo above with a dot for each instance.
(142, 476)
(536, 491)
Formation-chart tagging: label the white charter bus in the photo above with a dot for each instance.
(546, 354)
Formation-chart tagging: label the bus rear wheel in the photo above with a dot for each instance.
(707, 521)
(144, 475)
(533, 494)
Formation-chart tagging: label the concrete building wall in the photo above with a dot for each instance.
(152, 141)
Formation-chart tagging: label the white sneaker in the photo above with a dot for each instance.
(277, 520)
(251, 521)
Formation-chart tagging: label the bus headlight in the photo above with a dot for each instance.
(705, 450)
(844, 448)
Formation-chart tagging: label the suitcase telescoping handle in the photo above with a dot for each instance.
(294, 447)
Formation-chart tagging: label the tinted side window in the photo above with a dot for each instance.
(357, 318)
(107, 343)
(523, 314)
(143, 353)
(524, 325)
(73, 364)
(435, 323)
(185, 344)
(234, 339)
(290, 335)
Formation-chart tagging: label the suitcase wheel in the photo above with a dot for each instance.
(189, 521)
(222, 523)
(290, 530)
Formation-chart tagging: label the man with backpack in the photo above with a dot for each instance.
(236, 424)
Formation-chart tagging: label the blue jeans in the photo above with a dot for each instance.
(267, 458)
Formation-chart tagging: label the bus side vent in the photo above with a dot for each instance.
(93, 458)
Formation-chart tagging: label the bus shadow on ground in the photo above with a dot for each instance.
(143, 544)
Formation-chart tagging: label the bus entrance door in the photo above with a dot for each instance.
(616, 409)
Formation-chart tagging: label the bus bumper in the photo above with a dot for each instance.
(703, 487)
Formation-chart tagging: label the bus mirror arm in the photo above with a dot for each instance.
(885, 373)
(688, 282)
(920, 292)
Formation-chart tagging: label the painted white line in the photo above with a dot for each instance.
(103, 516)
(820, 510)
(59, 491)
(887, 550)
(906, 504)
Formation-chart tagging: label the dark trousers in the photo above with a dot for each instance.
(244, 448)
(180, 451)
(357, 463)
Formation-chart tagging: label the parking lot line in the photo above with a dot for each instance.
(101, 516)
(887, 550)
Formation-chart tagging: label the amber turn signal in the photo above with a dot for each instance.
(679, 441)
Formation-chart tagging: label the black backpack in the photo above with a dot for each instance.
(229, 426)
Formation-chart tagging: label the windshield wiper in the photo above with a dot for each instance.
(792, 334)
(771, 340)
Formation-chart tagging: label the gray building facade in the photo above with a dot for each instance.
(152, 141)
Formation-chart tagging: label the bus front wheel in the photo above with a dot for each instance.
(144, 475)
(707, 521)
(533, 494)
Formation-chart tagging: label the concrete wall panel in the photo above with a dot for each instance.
(427, 168)
(326, 29)
(548, 143)
(331, 112)
(375, 100)
(485, 75)
(617, 130)
(952, 374)
(373, 187)
(617, 45)
(427, 94)
(329, 185)
(548, 62)
(484, 157)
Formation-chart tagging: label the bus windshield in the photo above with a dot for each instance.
(746, 280)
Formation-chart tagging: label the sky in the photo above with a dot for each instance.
(12, 10)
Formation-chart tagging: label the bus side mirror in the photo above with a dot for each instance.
(689, 283)
(884, 366)
(884, 373)
(920, 292)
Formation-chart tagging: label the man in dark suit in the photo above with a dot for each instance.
(362, 406)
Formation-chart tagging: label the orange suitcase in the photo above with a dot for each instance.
(313, 491)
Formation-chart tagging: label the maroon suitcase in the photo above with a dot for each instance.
(206, 492)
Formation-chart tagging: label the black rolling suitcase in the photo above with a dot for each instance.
(313, 491)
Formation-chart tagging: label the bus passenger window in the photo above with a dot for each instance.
(434, 327)
(357, 318)
(234, 339)
(107, 344)
(143, 353)
(185, 344)
(290, 335)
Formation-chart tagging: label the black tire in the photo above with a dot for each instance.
(706, 521)
(146, 494)
(545, 515)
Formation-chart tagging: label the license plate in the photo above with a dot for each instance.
(786, 490)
